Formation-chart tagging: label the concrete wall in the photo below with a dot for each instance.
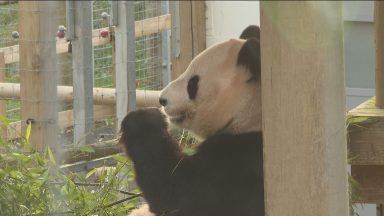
(359, 51)
(227, 19)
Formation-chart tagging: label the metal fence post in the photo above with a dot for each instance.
(82, 55)
(166, 47)
(125, 60)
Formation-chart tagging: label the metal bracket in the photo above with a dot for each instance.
(70, 9)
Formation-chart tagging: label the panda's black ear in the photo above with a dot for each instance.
(249, 57)
(251, 31)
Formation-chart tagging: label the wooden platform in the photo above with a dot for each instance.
(365, 125)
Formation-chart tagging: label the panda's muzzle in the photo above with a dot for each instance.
(174, 117)
(177, 119)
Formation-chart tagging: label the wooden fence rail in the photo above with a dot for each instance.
(101, 96)
(142, 28)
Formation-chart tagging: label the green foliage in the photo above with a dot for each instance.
(32, 183)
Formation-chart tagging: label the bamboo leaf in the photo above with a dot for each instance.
(120, 158)
(90, 173)
(50, 155)
(87, 148)
(4, 121)
(28, 132)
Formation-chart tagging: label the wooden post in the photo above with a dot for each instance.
(125, 60)
(191, 39)
(379, 47)
(82, 59)
(303, 103)
(3, 107)
(38, 73)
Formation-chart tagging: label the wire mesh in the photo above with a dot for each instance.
(148, 60)
(148, 65)
(8, 27)
(148, 49)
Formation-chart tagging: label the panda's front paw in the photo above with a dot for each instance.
(141, 131)
(148, 120)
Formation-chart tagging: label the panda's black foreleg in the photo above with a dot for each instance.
(154, 154)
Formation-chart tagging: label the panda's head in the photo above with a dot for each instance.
(220, 92)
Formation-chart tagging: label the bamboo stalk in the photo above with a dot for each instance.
(3, 107)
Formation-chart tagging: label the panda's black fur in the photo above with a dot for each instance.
(223, 178)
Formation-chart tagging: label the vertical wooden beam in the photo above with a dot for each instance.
(192, 34)
(198, 9)
(303, 103)
(38, 73)
(82, 60)
(125, 60)
(3, 107)
(379, 48)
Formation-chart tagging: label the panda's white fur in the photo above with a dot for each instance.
(225, 102)
(142, 211)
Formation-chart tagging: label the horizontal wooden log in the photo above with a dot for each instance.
(371, 182)
(5, 2)
(101, 96)
(142, 28)
(65, 120)
(74, 154)
(366, 134)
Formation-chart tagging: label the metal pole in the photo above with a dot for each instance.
(175, 11)
(125, 60)
(131, 54)
(70, 8)
(166, 47)
(379, 209)
(82, 60)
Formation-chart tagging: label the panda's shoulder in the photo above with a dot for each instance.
(235, 146)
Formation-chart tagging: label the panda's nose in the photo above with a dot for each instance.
(163, 101)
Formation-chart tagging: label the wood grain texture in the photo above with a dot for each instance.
(371, 182)
(101, 96)
(303, 103)
(379, 52)
(38, 73)
(366, 134)
(65, 120)
(192, 35)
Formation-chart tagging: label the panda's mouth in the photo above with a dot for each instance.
(177, 118)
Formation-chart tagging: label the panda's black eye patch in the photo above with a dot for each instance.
(193, 86)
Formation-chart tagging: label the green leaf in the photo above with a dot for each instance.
(51, 157)
(189, 151)
(20, 157)
(28, 132)
(120, 158)
(87, 148)
(4, 121)
(90, 173)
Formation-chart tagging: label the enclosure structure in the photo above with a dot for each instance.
(303, 103)
(303, 96)
(74, 69)
(366, 128)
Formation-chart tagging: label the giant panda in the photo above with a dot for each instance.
(218, 98)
